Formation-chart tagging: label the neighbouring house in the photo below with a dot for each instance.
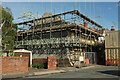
(112, 47)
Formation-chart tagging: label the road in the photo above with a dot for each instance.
(95, 72)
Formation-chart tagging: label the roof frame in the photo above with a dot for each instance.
(69, 12)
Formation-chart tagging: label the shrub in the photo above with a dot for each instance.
(37, 65)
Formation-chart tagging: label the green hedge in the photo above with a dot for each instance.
(37, 65)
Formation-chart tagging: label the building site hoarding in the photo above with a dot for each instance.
(112, 39)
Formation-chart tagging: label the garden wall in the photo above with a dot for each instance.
(14, 64)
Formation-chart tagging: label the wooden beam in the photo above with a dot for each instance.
(61, 26)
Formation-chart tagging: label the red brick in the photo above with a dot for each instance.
(14, 64)
(51, 62)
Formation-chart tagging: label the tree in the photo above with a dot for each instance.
(9, 29)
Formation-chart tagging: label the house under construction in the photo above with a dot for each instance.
(66, 35)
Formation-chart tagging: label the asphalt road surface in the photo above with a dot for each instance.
(96, 72)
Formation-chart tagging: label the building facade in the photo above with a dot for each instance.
(66, 35)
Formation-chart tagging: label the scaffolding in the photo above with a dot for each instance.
(65, 35)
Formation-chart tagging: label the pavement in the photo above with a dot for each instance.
(68, 69)
(92, 73)
(35, 72)
(31, 72)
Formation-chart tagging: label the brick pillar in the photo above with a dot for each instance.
(51, 62)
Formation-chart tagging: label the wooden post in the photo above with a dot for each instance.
(109, 53)
(117, 54)
(114, 54)
(106, 53)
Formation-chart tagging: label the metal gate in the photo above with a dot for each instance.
(91, 56)
(88, 58)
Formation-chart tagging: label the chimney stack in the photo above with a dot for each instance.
(103, 30)
(112, 28)
(85, 24)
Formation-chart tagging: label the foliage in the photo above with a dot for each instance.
(3, 54)
(37, 65)
(9, 29)
(11, 54)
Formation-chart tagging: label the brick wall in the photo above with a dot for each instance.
(0, 66)
(60, 62)
(39, 60)
(24, 54)
(49, 63)
(14, 64)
